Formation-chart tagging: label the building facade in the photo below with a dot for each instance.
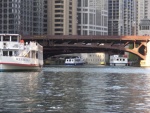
(96, 58)
(62, 17)
(93, 20)
(27, 17)
(121, 17)
(92, 17)
(144, 27)
(143, 11)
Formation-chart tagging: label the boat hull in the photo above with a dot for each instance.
(15, 67)
(118, 64)
(74, 64)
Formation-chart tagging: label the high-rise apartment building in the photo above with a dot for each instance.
(143, 18)
(33, 17)
(92, 17)
(143, 9)
(62, 17)
(27, 17)
(121, 17)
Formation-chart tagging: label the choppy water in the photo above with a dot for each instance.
(85, 89)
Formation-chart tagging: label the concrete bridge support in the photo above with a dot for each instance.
(146, 62)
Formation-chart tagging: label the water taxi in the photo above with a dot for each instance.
(74, 61)
(118, 60)
(17, 55)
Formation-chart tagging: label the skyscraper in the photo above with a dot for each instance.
(62, 17)
(23, 16)
(121, 17)
(92, 17)
(143, 9)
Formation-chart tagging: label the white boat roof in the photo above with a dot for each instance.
(10, 34)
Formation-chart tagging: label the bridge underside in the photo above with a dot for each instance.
(54, 45)
(68, 50)
(138, 49)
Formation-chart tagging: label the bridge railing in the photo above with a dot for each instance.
(86, 37)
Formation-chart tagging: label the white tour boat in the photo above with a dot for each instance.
(117, 60)
(74, 61)
(16, 55)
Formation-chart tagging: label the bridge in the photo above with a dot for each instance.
(64, 44)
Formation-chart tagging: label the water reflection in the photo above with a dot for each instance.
(76, 90)
(17, 91)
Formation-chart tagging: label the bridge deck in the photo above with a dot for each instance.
(78, 37)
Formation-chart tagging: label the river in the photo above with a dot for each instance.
(79, 89)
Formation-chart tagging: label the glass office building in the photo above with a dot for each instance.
(26, 17)
(92, 17)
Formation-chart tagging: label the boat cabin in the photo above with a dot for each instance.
(9, 44)
(12, 45)
(118, 59)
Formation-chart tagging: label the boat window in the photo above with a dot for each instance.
(6, 38)
(37, 55)
(32, 54)
(117, 59)
(120, 59)
(5, 53)
(14, 38)
(10, 53)
(123, 59)
(77, 59)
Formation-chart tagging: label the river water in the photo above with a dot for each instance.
(79, 89)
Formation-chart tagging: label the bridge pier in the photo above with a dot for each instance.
(146, 62)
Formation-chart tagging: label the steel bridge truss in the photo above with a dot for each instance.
(54, 45)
